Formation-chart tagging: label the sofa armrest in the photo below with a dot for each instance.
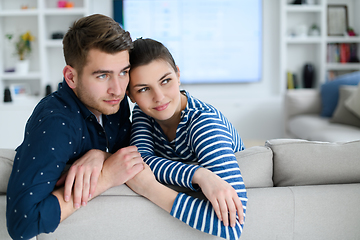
(301, 101)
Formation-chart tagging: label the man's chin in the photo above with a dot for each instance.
(110, 111)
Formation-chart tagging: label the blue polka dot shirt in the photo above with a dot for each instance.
(59, 131)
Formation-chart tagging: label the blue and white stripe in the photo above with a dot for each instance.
(204, 138)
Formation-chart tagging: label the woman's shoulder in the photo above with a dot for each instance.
(199, 106)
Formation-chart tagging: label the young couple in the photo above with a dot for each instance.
(86, 124)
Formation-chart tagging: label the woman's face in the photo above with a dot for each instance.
(155, 88)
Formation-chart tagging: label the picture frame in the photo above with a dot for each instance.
(337, 19)
(19, 91)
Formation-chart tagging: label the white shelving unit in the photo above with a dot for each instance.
(296, 51)
(41, 18)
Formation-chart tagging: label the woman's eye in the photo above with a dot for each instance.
(165, 81)
(143, 89)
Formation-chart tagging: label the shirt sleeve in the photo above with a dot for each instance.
(48, 144)
(213, 143)
(166, 171)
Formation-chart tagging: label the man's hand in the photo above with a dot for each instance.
(83, 176)
(122, 166)
(222, 196)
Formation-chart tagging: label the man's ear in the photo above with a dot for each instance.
(70, 76)
(129, 95)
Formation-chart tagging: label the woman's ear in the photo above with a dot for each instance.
(70, 76)
(178, 73)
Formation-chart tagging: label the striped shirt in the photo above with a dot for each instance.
(204, 137)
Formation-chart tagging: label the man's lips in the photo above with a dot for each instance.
(161, 107)
(113, 101)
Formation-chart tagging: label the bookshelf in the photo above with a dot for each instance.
(298, 49)
(41, 18)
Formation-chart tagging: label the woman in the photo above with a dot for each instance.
(186, 143)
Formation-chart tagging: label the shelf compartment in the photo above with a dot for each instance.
(343, 39)
(64, 11)
(303, 40)
(343, 66)
(21, 12)
(15, 76)
(303, 8)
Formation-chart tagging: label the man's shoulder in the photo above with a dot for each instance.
(53, 109)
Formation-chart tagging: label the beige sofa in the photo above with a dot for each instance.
(296, 189)
(304, 121)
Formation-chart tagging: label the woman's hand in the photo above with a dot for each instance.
(222, 196)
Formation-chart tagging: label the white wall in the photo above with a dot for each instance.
(254, 108)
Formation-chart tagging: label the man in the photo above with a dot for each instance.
(86, 118)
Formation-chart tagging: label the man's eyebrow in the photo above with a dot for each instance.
(109, 71)
(102, 71)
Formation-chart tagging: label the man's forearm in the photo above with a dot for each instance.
(67, 208)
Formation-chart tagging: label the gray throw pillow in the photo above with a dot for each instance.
(6, 163)
(342, 114)
(353, 102)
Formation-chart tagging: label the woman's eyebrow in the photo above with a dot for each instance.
(164, 76)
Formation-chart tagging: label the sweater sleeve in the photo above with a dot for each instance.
(212, 143)
(166, 171)
(31, 207)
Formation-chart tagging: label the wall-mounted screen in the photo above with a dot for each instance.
(212, 41)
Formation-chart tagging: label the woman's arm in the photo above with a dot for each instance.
(166, 171)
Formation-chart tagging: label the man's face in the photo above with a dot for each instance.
(104, 80)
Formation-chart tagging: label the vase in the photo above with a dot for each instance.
(308, 75)
(22, 66)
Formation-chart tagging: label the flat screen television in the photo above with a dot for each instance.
(212, 41)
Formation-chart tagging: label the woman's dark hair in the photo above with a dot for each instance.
(146, 50)
(93, 32)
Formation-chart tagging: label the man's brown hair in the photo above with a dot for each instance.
(93, 32)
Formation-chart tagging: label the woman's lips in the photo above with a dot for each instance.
(162, 107)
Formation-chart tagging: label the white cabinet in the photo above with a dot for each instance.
(298, 47)
(42, 18)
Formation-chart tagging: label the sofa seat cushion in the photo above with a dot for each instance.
(326, 211)
(301, 162)
(316, 128)
(6, 163)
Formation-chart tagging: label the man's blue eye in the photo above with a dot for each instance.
(124, 73)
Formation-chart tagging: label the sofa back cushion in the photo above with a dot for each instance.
(256, 166)
(6, 162)
(301, 162)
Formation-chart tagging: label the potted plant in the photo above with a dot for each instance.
(23, 48)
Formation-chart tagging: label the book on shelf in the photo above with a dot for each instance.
(342, 53)
(292, 80)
